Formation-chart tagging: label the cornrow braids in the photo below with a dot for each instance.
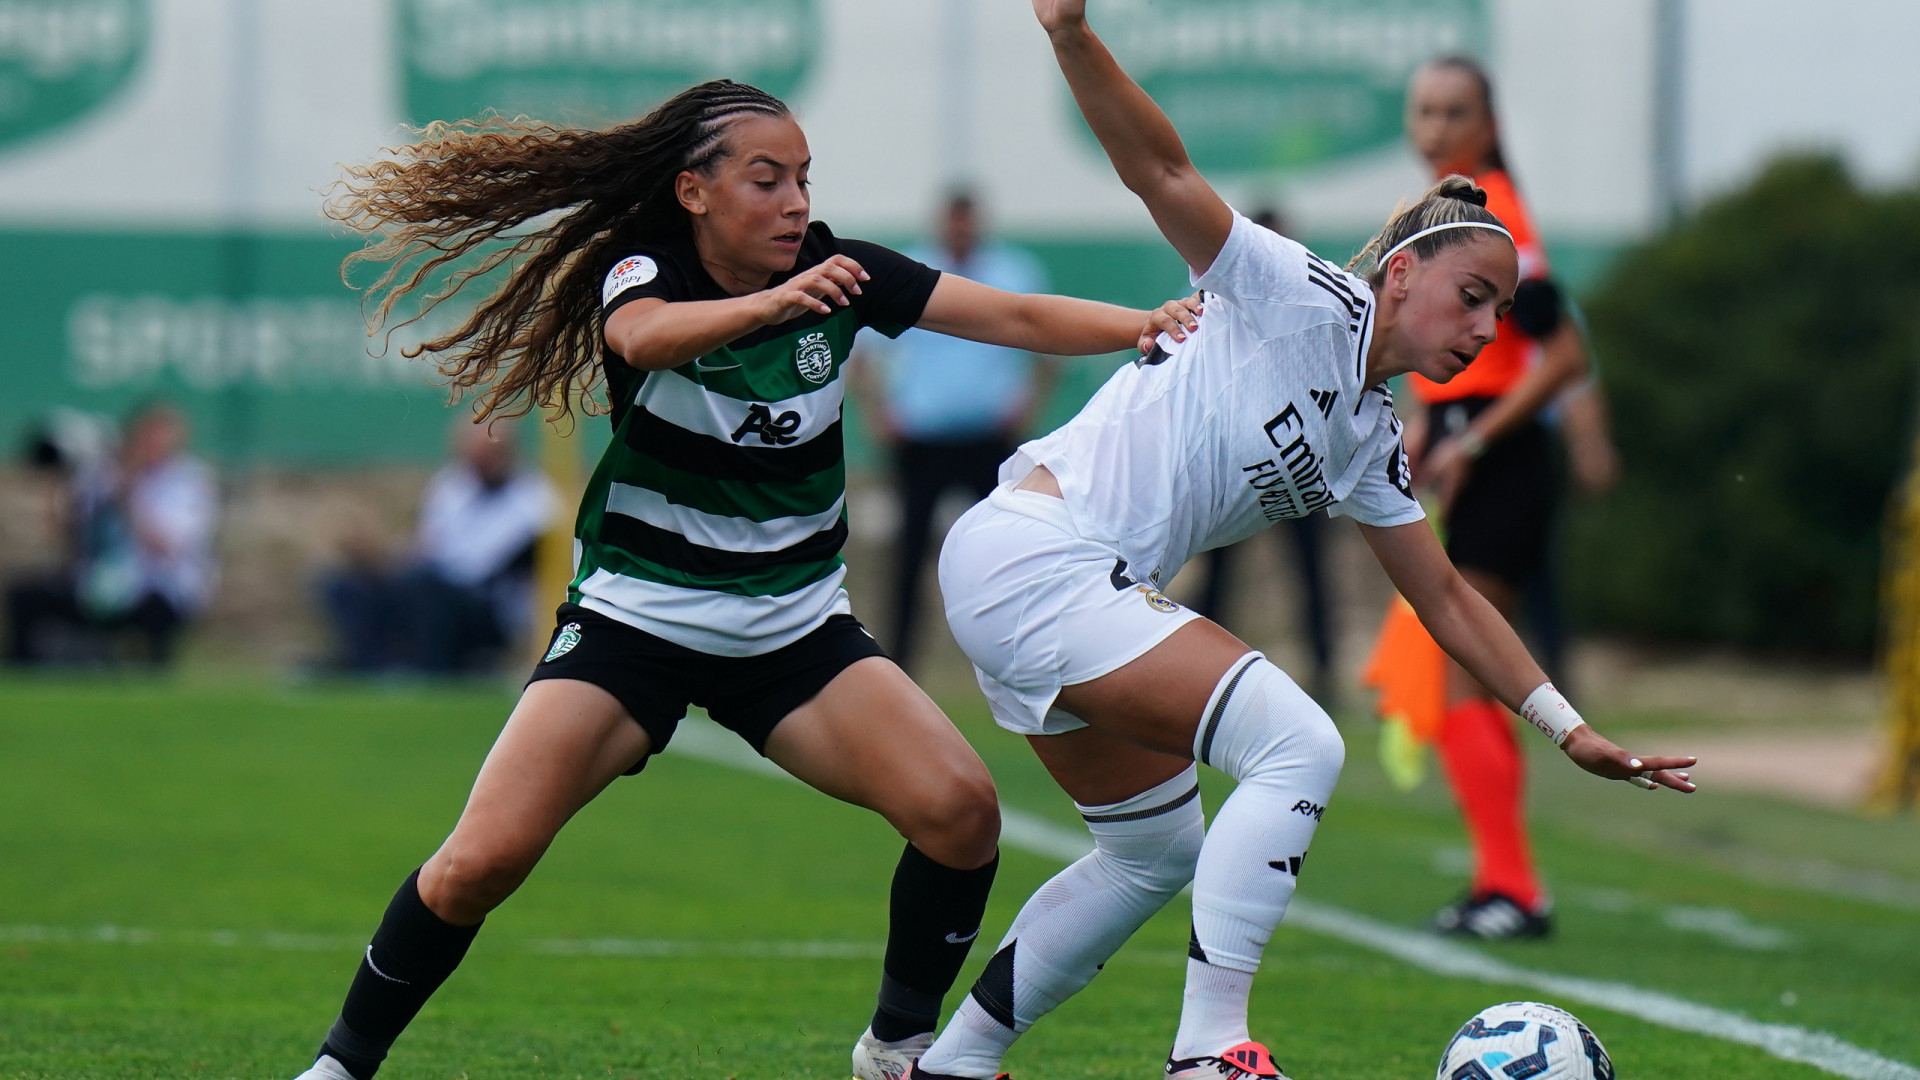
(546, 203)
(1455, 199)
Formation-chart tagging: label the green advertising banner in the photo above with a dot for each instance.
(60, 59)
(253, 335)
(594, 61)
(1271, 85)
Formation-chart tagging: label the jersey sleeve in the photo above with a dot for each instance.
(640, 274)
(1258, 267)
(1384, 495)
(895, 295)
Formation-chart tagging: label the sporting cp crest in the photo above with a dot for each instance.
(563, 642)
(814, 357)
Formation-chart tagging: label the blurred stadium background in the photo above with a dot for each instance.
(162, 164)
(1730, 187)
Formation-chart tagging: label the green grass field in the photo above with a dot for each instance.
(188, 873)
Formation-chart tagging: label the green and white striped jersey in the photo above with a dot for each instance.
(716, 516)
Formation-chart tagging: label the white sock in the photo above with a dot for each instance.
(1266, 733)
(1144, 853)
(1213, 1010)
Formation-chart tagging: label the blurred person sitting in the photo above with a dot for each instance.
(138, 522)
(948, 410)
(463, 594)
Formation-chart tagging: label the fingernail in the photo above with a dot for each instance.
(1635, 762)
(864, 276)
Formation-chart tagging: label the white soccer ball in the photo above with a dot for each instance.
(1524, 1040)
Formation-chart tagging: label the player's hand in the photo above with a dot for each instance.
(1060, 14)
(819, 290)
(1175, 318)
(1591, 751)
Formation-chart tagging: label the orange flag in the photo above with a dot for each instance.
(1410, 671)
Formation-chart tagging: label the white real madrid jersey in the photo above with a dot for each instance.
(1260, 415)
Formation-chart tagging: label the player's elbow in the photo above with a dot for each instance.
(1159, 177)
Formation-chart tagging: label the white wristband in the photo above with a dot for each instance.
(1548, 711)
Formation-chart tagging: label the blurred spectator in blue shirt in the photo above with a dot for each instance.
(463, 593)
(139, 524)
(948, 410)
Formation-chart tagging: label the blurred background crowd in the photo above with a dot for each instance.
(211, 466)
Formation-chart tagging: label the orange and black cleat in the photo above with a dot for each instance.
(1248, 1061)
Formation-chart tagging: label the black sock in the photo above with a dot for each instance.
(933, 918)
(412, 953)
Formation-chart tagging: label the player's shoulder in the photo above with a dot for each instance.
(644, 268)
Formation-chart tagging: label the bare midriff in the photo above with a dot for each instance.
(1041, 479)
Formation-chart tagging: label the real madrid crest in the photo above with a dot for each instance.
(814, 357)
(1156, 600)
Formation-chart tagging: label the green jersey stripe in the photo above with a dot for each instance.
(764, 581)
(720, 459)
(722, 498)
(685, 403)
(714, 530)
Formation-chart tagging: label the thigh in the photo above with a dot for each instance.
(1095, 768)
(873, 738)
(1155, 701)
(565, 742)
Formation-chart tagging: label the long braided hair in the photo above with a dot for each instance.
(473, 196)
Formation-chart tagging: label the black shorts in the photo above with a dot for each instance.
(656, 679)
(1500, 521)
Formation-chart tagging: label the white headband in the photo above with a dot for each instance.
(1430, 230)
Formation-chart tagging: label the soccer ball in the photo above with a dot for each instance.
(1524, 1040)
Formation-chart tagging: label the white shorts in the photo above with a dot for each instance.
(1037, 607)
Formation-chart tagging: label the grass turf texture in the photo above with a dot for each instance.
(288, 817)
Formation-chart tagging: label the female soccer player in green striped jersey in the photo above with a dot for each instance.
(674, 257)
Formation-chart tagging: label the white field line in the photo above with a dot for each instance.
(1788, 1042)
(272, 942)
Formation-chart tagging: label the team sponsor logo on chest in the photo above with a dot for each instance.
(1291, 483)
(814, 357)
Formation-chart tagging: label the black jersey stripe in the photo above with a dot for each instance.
(703, 455)
(1346, 300)
(676, 552)
(1336, 278)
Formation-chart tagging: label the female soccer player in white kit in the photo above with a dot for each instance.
(1274, 408)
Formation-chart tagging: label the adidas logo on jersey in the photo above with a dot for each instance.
(1324, 399)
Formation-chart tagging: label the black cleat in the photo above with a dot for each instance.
(1493, 917)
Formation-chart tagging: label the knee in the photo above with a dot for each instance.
(465, 881)
(1318, 742)
(1271, 727)
(954, 818)
(1158, 863)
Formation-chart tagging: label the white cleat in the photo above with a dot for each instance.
(876, 1060)
(326, 1067)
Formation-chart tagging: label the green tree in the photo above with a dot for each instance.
(1760, 362)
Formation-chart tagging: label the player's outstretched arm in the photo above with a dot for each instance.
(1056, 325)
(1138, 137)
(1471, 631)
